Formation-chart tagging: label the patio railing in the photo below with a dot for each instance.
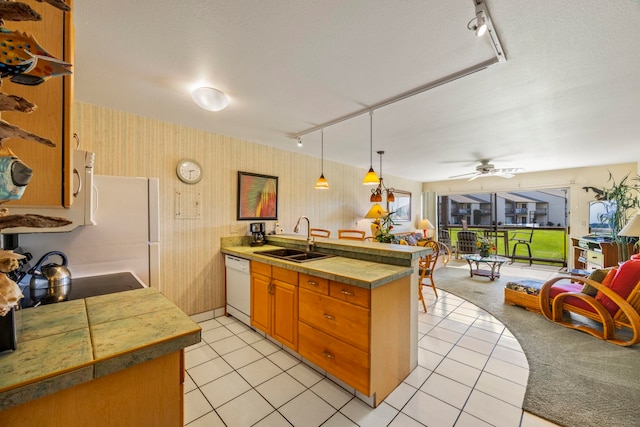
(549, 245)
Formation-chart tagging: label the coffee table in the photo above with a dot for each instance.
(493, 263)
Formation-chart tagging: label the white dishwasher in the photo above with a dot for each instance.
(238, 285)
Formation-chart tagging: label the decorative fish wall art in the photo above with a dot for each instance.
(22, 58)
(25, 62)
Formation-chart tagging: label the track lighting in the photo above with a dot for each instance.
(481, 22)
(299, 142)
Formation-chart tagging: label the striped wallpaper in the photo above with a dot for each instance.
(192, 267)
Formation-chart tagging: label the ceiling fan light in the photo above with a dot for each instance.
(209, 98)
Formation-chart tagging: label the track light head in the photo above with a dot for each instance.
(481, 23)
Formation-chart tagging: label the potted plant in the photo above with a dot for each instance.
(625, 196)
(384, 225)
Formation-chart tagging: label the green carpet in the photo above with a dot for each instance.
(574, 378)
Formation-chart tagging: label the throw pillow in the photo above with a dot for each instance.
(596, 276)
(602, 298)
(625, 280)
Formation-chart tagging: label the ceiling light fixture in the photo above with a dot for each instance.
(322, 183)
(500, 56)
(376, 193)
(481, 22)
(209, 98)
(371, 178)
(299, 142)
(484, 25)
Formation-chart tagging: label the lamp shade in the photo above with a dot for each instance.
(425, 224)
(371, 178)
(321, 183)
(632, 229)
(209, 98)
(375, 212)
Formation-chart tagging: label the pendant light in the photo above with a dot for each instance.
(371, 178)
(376, 193)
(322, 183)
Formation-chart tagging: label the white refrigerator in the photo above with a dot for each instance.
(125, 237)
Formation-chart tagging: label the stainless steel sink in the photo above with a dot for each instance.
(294, 255)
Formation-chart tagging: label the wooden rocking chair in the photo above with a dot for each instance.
(615, 306)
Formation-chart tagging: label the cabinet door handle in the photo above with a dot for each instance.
(347, 293)
(312, 283)
(328, 316)
(328, 355)
(271, 288)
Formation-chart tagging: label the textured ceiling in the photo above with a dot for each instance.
(567, 96)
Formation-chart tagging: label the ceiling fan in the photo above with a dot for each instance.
(487, 169)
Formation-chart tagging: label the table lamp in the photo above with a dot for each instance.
(632, 229)
(375, 212)
(425, 225)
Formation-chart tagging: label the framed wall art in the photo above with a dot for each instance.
(257, 196)
(401, 206)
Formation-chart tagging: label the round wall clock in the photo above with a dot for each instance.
(189, 171)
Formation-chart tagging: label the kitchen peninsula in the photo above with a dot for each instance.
(98, 360)
(353, 315)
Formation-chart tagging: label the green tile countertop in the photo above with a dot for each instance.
(372, 268)
(65, 344)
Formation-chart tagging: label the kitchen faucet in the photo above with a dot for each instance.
(309, 238)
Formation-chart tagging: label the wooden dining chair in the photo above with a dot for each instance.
(351, 234)
(427, 265)
(319, 232)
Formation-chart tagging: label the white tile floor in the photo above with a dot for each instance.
(471, 372)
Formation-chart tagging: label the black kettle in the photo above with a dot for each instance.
(50, 282)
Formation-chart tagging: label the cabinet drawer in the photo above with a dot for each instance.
(344, 361)
(342, 320)
(350, 293)
(313, 283)
(595, 258)
(284, 275)
(261, 268)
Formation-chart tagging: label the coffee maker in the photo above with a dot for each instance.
(257, 232)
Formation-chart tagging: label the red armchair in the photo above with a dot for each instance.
(615, 306)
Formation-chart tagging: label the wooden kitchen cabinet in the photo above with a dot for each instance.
(52, 171)
(274, 302)
(359, 335)
(147, 394)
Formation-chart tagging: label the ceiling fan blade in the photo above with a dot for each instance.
(464, 175)
(478, 175)
(504, 175)
(508, 170)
